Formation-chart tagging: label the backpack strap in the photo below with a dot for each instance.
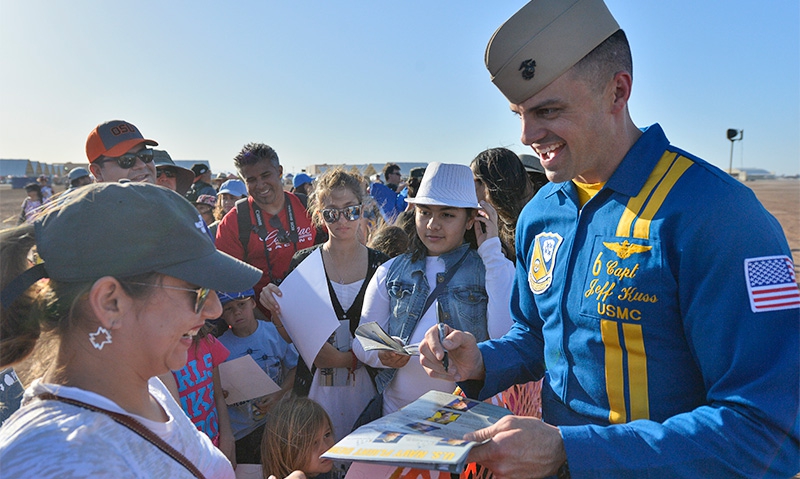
(245, 224)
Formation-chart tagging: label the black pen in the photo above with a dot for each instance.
(442, 334)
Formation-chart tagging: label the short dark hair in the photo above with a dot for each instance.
(252, 153)
(390, 168)
(606, 60)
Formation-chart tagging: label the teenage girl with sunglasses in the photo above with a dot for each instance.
(339, 383)
(475, 298)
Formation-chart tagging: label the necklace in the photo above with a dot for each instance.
(343, 272)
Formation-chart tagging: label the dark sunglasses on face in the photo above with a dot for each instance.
(350, 213)
(127, 160)
(169, 173)
(201, 293)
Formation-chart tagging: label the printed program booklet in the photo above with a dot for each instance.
(426, 434)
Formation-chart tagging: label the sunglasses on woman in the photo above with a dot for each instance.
(127, 160)
(350, 213)
(165, 172)
(201, 293)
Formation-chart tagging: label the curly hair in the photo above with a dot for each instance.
(333, 179)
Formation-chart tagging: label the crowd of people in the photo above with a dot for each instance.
(607, 288)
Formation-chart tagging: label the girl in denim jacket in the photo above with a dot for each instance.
(475, 299)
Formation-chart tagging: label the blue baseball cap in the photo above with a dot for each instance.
(301, 179)
(233, 187)
(78, 172)
(226, 298)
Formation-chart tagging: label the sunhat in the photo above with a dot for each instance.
(184, 177)
(445, 184)
(208, 200)
(133, 228)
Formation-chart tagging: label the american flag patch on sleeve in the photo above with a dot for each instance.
(771, 283)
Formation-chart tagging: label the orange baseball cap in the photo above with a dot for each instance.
(113, 138)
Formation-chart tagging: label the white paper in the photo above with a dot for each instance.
(244, 379)
(306, 309)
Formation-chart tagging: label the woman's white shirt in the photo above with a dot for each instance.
(50, 439)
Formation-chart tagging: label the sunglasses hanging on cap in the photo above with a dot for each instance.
(350, 213)
(127, 160)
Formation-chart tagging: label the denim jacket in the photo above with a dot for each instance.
(464, 300)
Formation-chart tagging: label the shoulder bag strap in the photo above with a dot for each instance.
(136, 427)
(441, 284)
(245, 224)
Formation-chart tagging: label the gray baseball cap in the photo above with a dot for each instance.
(126, 229)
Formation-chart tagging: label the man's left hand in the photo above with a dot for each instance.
(520, 447)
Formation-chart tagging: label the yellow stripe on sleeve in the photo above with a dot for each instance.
(637, 371)
(615, 380)
(642, 227)
(635, 204)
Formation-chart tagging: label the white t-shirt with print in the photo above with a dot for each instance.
(52, 439)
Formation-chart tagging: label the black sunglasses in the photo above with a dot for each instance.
(127, 160)
(168, 172)
(350, 213)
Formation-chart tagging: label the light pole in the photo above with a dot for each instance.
(733, 135)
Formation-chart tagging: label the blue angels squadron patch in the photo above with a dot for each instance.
(540, 274)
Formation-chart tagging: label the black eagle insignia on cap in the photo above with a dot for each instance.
(528, 68)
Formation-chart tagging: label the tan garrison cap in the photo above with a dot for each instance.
(544, 39)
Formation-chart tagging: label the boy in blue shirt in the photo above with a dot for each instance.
(261, 340)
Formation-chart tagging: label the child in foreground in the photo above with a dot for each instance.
(297, 433)
(261, 340)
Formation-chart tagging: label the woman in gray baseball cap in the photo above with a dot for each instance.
(127, 279)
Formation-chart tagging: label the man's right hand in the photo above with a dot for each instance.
(464, 357)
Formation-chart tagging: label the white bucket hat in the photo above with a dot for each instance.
(446, 184)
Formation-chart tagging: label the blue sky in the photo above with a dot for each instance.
(370, 81)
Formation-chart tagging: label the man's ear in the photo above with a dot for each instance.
(621, 85)
(96, 171)
(108, 301)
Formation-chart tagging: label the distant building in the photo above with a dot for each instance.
(752, 174)
(367, 169)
